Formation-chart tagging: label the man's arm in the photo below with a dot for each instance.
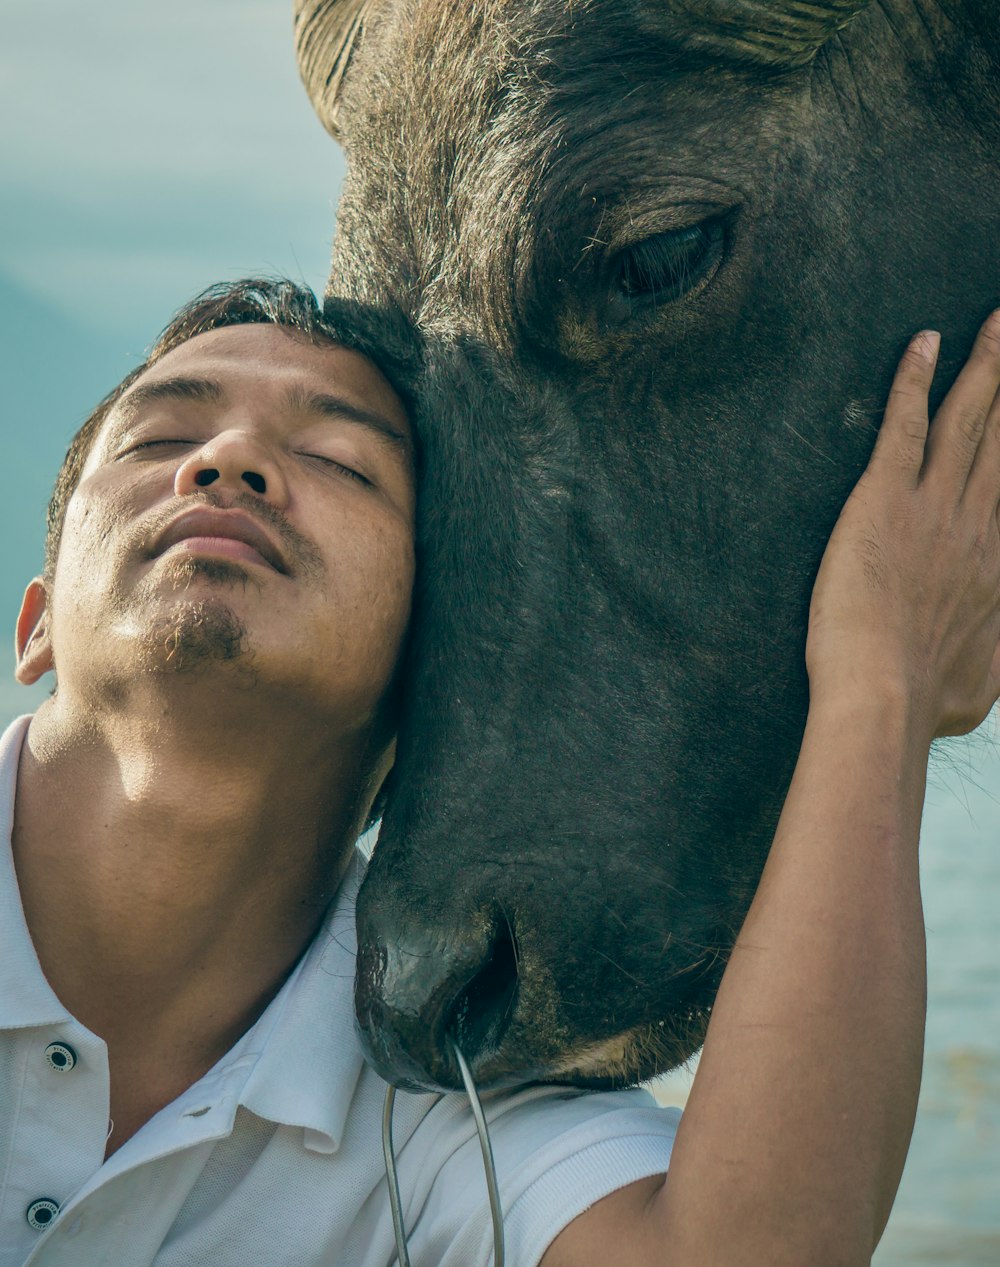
(793, 1141)
(795, 1134)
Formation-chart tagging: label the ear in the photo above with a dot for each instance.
(778, 33)
(326, 33)
(34, 646)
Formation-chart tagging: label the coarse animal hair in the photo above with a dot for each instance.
(663, 256)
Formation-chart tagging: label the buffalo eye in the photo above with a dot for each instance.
(662, 269)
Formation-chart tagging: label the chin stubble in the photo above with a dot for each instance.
(197, 633)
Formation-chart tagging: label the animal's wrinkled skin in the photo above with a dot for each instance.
(624, 502)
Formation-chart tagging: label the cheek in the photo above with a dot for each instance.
(99, 512)
(358, 616)
(374, 580)
(85, 548)
(97, 541)
(387, 569)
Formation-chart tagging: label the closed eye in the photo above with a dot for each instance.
(338, 467)
(152, 444)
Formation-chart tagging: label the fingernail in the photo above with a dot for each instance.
(928, 343)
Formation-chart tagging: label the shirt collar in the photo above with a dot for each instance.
(26, 998)
(311, 1060)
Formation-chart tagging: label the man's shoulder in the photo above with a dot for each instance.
(557, 1151)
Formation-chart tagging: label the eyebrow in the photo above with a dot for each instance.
(199, 390)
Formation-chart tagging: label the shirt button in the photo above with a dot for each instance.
(61, 1057)
(41, 1213)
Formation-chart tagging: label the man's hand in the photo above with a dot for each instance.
(908, 595)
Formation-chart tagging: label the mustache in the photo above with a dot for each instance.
(302, 554)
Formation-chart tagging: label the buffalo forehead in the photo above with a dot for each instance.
(489, 145)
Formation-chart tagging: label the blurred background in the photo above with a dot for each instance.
(148, 151)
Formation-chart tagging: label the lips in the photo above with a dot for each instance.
(230, 525)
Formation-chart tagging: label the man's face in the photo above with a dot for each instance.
(248, 502)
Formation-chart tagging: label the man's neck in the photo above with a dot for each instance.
(172, 871)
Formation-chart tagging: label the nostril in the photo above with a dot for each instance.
(206, 477)
(256, 482)
(479, 1016)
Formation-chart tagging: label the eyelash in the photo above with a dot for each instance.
(150, 444)
(315, 457)
(344, 470)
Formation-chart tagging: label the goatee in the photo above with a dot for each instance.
(196, 633)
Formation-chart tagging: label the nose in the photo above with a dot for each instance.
(414, 991)
(234, 460)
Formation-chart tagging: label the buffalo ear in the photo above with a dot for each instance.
(779, 33)
(326, 32)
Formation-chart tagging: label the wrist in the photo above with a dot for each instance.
(871, 749)
(882, 705)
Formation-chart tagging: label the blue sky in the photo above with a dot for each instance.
(147, 151)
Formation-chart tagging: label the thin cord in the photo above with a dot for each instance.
(395, 1202)
(496, 1210)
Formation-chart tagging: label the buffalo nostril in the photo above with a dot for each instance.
(414, 991)
(481, 1012)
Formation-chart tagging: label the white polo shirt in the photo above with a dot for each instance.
(274, 1157)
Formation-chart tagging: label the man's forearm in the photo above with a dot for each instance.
(800, 1116)
(796, 1130)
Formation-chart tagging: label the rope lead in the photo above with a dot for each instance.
(392, 1178)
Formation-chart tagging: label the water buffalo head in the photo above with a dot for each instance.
(658, 258)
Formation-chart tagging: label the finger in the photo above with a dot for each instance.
(960, 423)
(983, 487)
(903, 435)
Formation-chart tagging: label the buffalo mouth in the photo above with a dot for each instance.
(638, 1054)
(512, 1033)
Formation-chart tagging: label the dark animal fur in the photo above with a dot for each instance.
(621, 518)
